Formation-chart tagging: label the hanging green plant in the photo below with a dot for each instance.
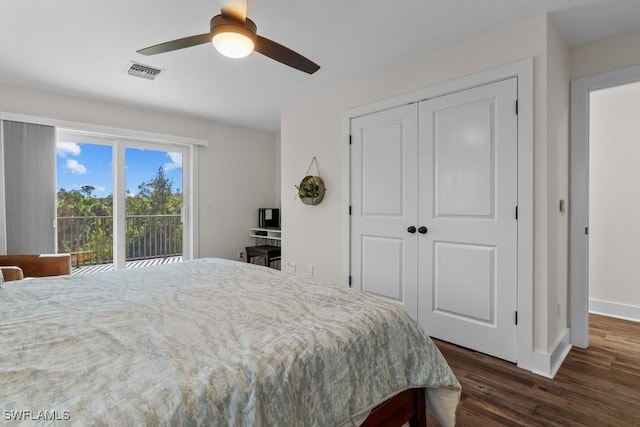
(311, 189)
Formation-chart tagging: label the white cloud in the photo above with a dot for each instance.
(75, 167)
(101, 189)
(175, 163)
(64, 149)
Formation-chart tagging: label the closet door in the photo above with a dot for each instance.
(468, 196)
(384, 160)
(30, 187)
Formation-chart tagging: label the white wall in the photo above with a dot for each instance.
(609, 54)
(278, 171)
(614, 198)
(234, 178)
(558, 96)
(237, 177)
(316, 235)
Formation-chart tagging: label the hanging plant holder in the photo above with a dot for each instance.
(311, 189)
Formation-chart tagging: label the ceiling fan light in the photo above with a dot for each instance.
(233, 44)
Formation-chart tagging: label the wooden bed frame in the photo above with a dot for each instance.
(408, 405)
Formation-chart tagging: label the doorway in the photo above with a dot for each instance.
(602, 235)
(614, 201)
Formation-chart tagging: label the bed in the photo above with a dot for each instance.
(213, 342)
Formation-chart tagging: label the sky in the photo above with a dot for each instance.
(90, 164)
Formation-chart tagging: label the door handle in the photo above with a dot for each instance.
(411, 229)
(423, 230)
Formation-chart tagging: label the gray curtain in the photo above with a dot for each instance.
(30, 187)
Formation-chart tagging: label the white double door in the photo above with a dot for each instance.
(433, 224)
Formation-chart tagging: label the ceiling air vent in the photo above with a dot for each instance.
(144, 71)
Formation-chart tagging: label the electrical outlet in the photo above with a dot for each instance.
(242, 256)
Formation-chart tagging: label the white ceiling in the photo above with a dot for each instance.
(82, 48)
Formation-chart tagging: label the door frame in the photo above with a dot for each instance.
(579, 195)
(523, 71)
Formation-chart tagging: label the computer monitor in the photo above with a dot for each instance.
(269, 218)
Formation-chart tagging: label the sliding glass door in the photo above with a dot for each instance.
(154, 202)
(85, 202)
(121, 203)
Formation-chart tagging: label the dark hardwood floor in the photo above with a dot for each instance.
(599, 386)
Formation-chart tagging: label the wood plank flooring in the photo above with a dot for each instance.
(599, 386)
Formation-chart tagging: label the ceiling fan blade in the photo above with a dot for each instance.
(285, 55)
(236, 9)
(176, 44)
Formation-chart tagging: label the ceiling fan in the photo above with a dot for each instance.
(235, 36)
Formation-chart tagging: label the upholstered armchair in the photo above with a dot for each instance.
(17, 267)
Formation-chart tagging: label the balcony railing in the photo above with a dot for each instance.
(90, 238)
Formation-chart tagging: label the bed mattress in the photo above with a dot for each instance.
(208, 342)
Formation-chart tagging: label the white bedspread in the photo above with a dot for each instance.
(206, 342)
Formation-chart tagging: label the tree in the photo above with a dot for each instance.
(87, 190)
(153, 227)
(156, 196)
(156, 226)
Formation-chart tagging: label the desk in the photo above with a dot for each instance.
(266, 233)
(268, 252)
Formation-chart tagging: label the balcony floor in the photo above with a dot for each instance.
(99, 268)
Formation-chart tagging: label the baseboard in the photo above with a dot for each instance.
(615, 309)
(548, 364)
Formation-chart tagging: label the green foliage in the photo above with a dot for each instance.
(76, 203)
(308, 187)
(155, 197)
(153, 227)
